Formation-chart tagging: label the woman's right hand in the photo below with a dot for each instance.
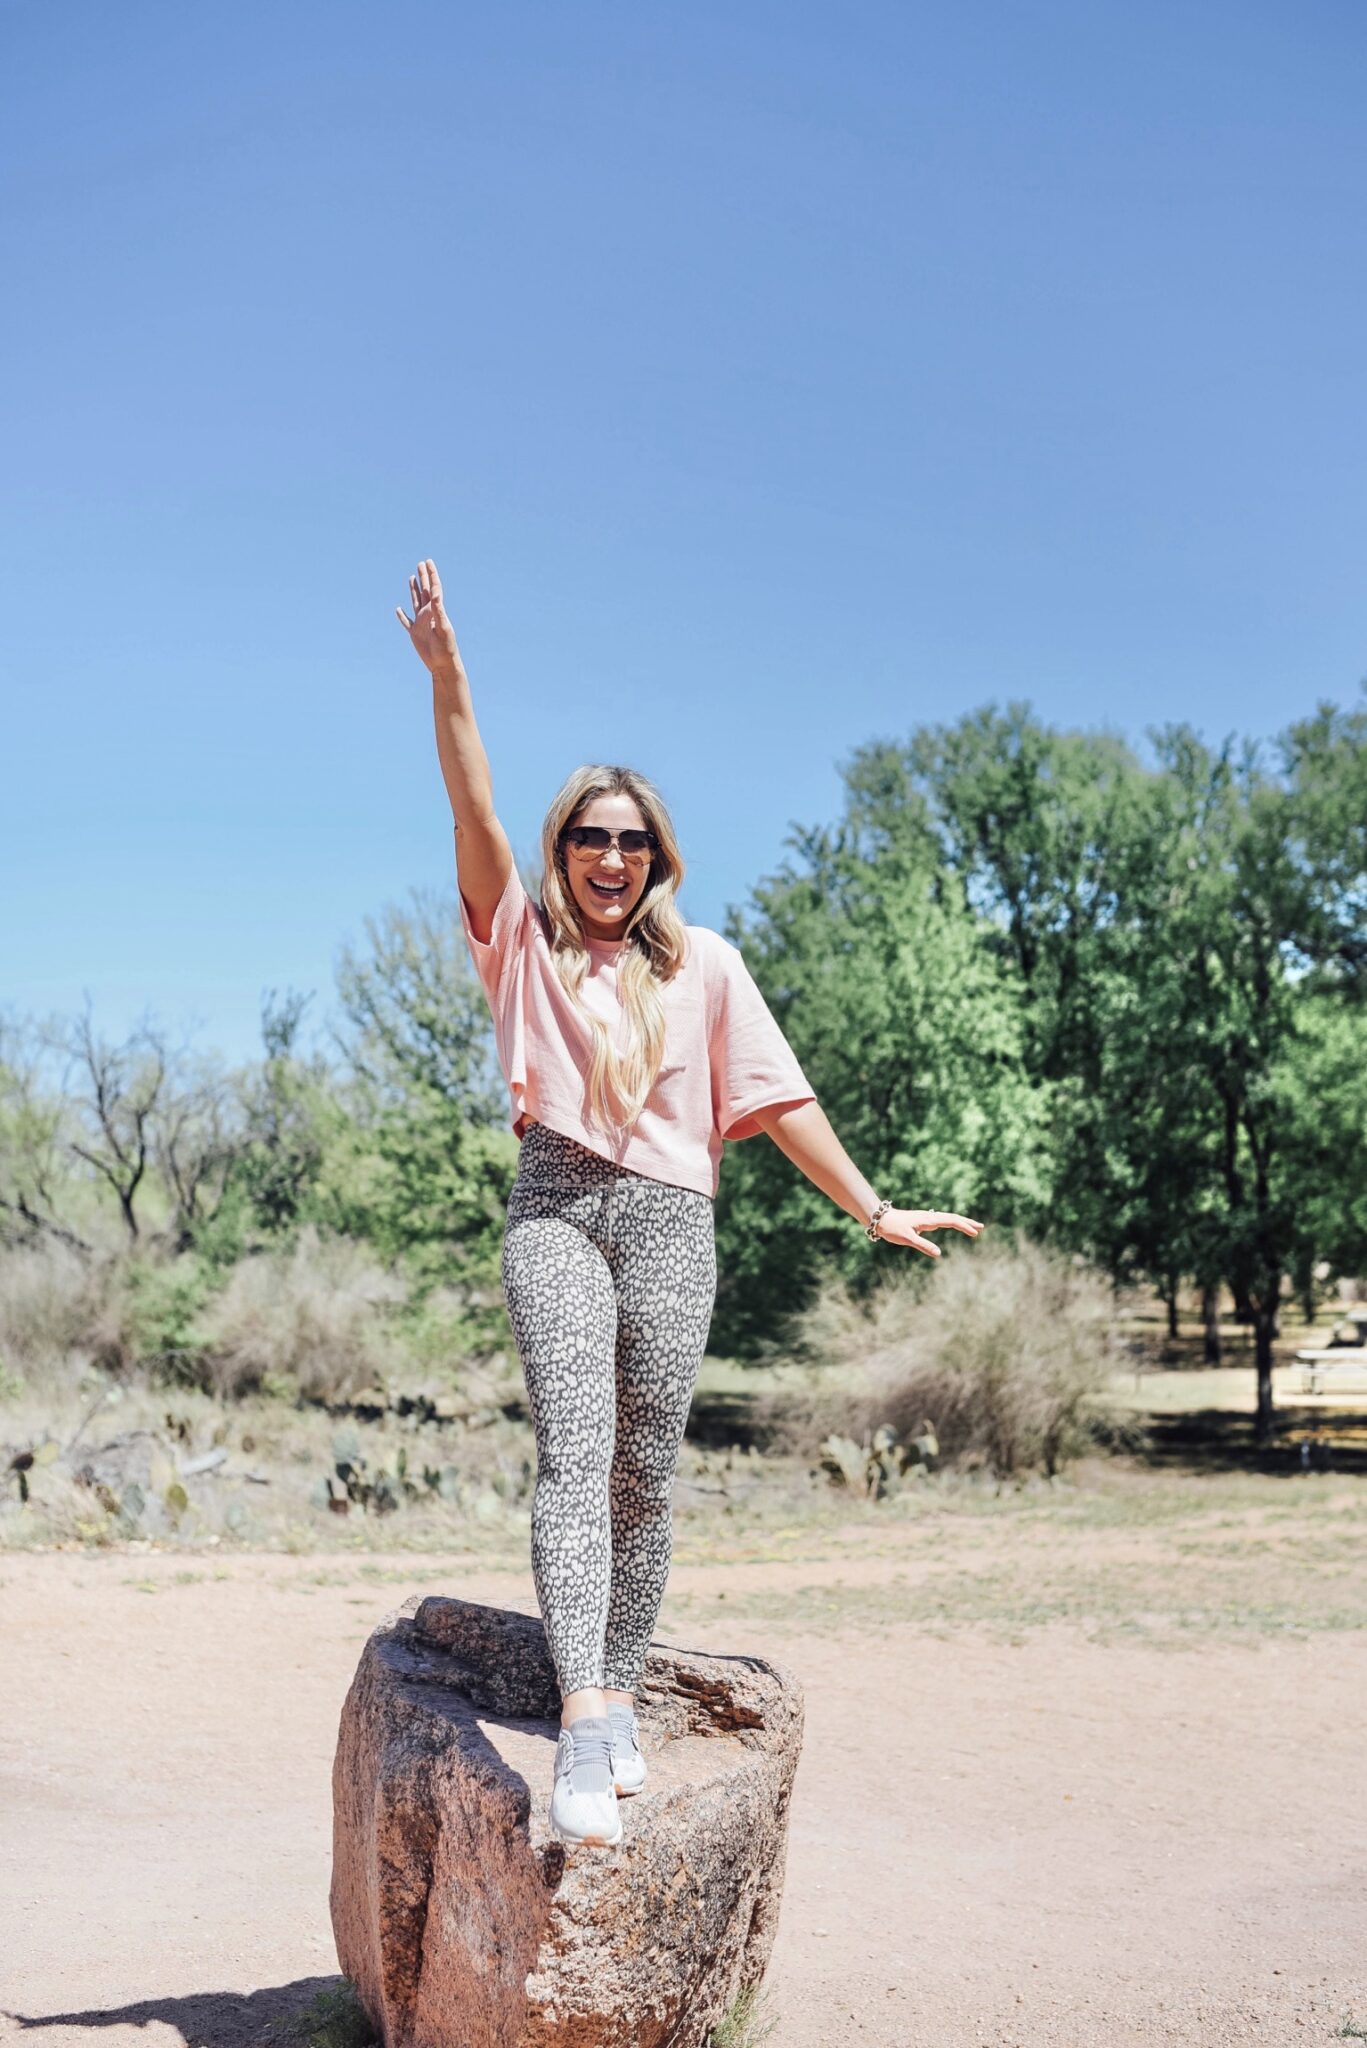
(429, 629)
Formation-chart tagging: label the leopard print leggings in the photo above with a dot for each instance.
(609, 1278)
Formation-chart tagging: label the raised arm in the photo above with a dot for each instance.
(484, 859)
(803, 1131)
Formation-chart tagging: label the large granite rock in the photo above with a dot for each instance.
(465, 1923)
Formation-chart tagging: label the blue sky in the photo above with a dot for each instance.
(763, 380)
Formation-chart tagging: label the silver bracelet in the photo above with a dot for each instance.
(871, 1227)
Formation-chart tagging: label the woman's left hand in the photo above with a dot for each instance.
(905, 1226)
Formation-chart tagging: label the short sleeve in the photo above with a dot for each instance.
(492, 955)
(753, 1065)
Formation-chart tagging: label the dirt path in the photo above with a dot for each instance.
(1056, 1841)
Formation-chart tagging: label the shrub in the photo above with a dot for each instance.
(157, 1309)
(1003, 1351)
(333, 2018)
(311, 1318)
(49, 1298)
(446, 1327)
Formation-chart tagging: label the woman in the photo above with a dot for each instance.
(632, 1045)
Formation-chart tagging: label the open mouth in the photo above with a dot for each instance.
(607, 891)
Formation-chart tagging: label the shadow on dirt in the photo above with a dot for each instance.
(719, 1419)
(1214, 1440)
(208, 2019)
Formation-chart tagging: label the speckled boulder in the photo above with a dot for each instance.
(465, 1923)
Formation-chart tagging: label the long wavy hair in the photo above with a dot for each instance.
(653, 951)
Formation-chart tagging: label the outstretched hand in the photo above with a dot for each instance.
(907, 1226)
(429, 629)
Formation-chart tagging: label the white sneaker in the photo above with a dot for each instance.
(583, 1802)
(628, 1765)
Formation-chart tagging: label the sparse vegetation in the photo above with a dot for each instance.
(881, 1465)
(313, 1318)
(333, 2018)
(49, 1308)
(1079, 1015)
(999, 1359)
(745, 2024)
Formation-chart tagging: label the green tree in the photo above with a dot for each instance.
(425, 1165)
(1269, 1051)
(1324, 767)
(292, 1112)
(1118, 1003)
(908, 1023)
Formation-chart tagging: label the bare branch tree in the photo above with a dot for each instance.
(195, 1139)
(117, 1093)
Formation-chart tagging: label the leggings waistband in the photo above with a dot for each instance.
(548, 1159)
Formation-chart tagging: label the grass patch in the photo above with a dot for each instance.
(745, 2024)
(1174, 1561)
(333, 2018)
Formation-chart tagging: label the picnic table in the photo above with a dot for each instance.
(1337, 1362)
(1334, 1363)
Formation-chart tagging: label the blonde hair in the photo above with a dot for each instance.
(652, 954)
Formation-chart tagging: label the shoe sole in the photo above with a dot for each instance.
(588, 1841)
(627, 1791)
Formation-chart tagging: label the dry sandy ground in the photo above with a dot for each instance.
(1051, 1840)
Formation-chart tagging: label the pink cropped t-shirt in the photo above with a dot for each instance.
(725, 1056)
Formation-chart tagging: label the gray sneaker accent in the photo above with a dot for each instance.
(591, 1768)
(629, 1766)
(624, 1724)
(583, 1797)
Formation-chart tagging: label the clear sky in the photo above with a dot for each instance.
(763, 378)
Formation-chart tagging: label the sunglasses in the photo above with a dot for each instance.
(631, 844)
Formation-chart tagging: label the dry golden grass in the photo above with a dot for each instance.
(1005, 1357)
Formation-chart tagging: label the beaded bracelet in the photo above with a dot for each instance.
(871, 1227)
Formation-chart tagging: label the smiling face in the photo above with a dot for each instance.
(605, 887)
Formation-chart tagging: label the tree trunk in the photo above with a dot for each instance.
(1170, 1297)
(1264, 1329)
(1210, 1315)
